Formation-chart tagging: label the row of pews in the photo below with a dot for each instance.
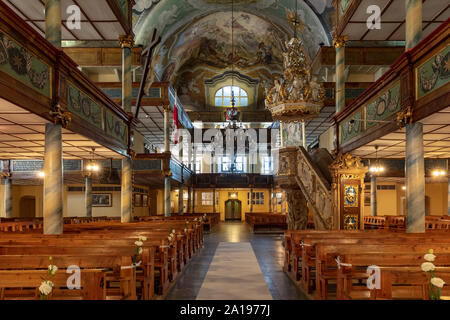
(210, 219)
(266, 221)
(399, 222)
(105, 253)
(334, 264)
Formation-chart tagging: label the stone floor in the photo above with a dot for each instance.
(231, 254)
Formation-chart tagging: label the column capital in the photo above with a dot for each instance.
(126, 41)
(166, 108)
(339, 41)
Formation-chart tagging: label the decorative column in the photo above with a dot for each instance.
(304, 133)
(339, 44)
(167, 209)
(270, 199)
(193, 200)
(8, 198)
(126, 42)
(53, 22)
(88, 195)
(166, 128)
(251, 199)
(448, 188)
(413, 24)
(189, 200)
(373, 195)
(126, 191)
(214, 199)
(53, 180)
(415, 179)
(180, 201)
(297, 216)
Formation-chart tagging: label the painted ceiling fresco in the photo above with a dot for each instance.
(196, 39)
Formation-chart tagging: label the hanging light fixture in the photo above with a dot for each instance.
(92, 166)
(376, 168)
(296, 96)
(232, 113)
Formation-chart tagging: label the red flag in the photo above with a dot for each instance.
(176, 122)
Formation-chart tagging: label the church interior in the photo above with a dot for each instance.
(224, 150)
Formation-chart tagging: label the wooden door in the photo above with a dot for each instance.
(27, 207)
(233, 210)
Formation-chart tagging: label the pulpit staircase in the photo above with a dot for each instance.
(315, 180)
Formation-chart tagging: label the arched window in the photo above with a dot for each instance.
(223, 97)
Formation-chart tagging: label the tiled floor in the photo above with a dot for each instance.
(269, 254)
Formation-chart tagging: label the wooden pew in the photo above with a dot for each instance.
(12, 283)
(266, 221)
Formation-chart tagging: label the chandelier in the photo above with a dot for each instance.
(295, 96)
(376, 168)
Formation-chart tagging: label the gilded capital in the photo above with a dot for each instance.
(126, 41)
(166, 108)
(339, 41)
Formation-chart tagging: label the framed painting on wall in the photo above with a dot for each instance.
(137, 200)
(102, 199)
(145, 200)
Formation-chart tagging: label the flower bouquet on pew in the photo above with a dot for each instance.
(436, 284)
(138, 250)
(186, 225)
(171, 236)
(46, 287)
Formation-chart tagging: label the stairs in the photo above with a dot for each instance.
(314, 178)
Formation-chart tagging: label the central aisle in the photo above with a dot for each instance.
(234, 274)
(234, 257)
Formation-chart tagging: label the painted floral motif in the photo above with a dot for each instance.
(350, 196)
(21, 63)
(435, 73)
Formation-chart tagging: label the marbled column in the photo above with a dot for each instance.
(53, 22)
(126, 42)
(413, 26)
(340, 78)
(8, 198)
(53, 180)
(373, 196)
(448, 188)
(270, 199)
(167, 210)
(415, 179)
(180, 201)
(193, 200)
(126, 192)
(189, 206)
(166, 129)
(88, 196)
(251, 200)
(214, 200)
(304, 133)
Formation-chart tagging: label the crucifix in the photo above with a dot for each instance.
(147, 52)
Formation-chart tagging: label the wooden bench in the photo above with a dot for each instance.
(266, 221)
(13, 282)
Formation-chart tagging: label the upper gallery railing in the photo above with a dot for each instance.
(43, 80)
(416, 85)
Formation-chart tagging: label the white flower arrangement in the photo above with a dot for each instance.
(46, 287)
(138, 250)
(436, 284)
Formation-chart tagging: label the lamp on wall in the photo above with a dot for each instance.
(377, 168)
(438, 173)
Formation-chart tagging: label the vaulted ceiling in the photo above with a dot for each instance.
(197, 40)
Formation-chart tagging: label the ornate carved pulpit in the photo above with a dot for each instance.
(348, 191)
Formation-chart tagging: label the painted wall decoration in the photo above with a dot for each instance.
(83, 106)
(343, 6)
(292, 134)
(17, 62)
(196, 40)
(115, 127)
(351, 196)
(383, 106)
(349, 128)
(433, 74)
(351, 222)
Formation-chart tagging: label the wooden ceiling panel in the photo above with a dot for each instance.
(32, 9)
(383, 33)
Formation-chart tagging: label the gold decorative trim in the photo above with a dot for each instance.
(126, 41)
(404, 117)
(61, 116)
(339, 41)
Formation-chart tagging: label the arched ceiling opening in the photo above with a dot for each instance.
(196, 40)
